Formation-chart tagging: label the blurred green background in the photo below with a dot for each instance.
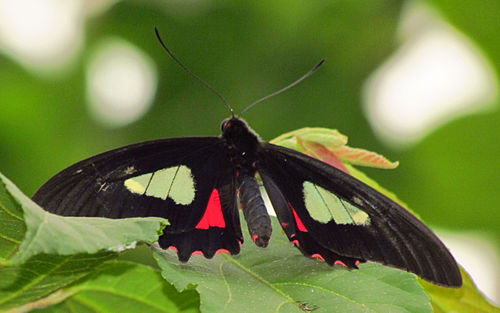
(246, 49)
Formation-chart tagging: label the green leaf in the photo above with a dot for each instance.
(56, 251)
(327, 144)
(42, 275)
(467, 299)
(50, 233)
(331, 138)
(280, 279)
(12, 226)
(117, 286)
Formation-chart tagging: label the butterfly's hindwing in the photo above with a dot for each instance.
(189, 181)
(344, 216)
(295, 230)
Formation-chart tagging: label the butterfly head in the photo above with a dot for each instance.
(238, 134)
(234, 128)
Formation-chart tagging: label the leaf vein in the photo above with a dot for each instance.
(42, 223)
(10, 239)
(122, 294)
(324, 290)
(230, 297)
(260, 278)
(2, 206)
(35, 281)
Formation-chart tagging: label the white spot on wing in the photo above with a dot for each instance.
(357, 200)
(129, 170)
(103, 187)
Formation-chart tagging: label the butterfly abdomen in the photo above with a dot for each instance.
(254, 210)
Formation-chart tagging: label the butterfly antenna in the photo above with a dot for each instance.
(306, 75)
(187, 70)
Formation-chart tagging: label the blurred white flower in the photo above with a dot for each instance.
(436, 76)
(41, 35)
(121, 83)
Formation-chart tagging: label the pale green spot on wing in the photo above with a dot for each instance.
(182, 190)
(174, 182)
(161, 182)
(138, 184)
(324, 206)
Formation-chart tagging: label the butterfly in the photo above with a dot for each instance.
(197, 182)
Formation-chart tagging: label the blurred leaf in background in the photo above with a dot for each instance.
(81, 77)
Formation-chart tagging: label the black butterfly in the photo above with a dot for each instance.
(195, 183)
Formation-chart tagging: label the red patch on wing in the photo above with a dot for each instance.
(338, 262)
(298, 221)
(213, 214)
(318, 256)
(199, 252)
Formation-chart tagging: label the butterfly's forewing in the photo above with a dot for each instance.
(189, 181)
(343, 216)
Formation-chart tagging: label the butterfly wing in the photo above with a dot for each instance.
(296, 231)
(189, 181)
(334, 216)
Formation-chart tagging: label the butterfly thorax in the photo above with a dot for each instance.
(242, 142)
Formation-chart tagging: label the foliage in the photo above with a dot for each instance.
(246, 49)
